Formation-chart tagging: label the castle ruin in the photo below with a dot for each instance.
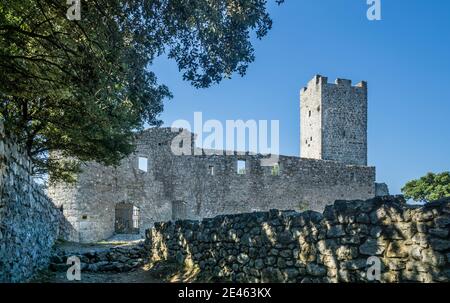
(154, 185)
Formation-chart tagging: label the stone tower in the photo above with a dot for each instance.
(333, 121)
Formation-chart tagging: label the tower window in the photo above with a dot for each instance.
(241, 167)
(310, 139)
(211, 170)
(310, 113)
(143, 164)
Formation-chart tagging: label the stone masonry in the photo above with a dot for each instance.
(194, 186)
(410, 244)
(29, 222)
(333, 121)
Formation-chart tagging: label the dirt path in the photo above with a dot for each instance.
(140, 275)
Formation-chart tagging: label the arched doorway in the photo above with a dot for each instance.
(126, 219)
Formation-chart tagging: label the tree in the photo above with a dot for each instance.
(83, 88)
(428, 188)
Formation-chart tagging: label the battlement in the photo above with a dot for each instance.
(334, 120)
(320, 81)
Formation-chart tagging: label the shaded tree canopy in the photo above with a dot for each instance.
(428, 188)
(83, 88)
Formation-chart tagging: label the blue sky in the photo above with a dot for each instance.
(405, 58)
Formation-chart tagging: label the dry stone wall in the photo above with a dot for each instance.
(411, 243)
(29, 222)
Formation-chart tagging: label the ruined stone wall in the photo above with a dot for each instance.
(334, 121)
(29, 222)
(412, 244)
(182, 187)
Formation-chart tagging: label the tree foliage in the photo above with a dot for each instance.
(83, 88)
(428, 188)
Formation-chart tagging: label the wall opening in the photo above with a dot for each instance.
(241, 167)
(126, 219)
(143, 164)
(211, 170)
(179, 210)
(275, 170)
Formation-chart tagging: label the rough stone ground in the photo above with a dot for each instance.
(162, 272)
(138, 276)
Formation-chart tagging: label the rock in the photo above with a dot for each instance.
(375, 231)
(439, 232)
(372, 248)
(330, 262)
(273, 252)
(433, 258)
(316, 270)
(327, 247)
(416, 252)
(56, 259)
(335, 231)
(363, 218)
(442, 222)
(240, 277)
(350, 240)
(395, 264)
(270, 261)
(235, 267)
(286, 254)
(397, 250)
(346, 252)
(420, 239)
(259, 264)
(272, 275)
(243, 258)
(439, 244)
(355, 264)
(291, 273)
(285, 238)
(391, 277)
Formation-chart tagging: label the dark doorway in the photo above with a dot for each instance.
(126, 219)
(178, 210)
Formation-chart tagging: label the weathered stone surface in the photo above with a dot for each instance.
(324, 250)
(115, 259)
(316, 270)
(440, 244)
(318, 136)
(355, 264)
(29, 221)
(335, 231)
(397, 250)
(439, 232)
(372, 247)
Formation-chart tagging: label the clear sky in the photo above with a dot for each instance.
(405, 58)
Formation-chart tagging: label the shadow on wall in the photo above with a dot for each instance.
(29, 222)
(344, 244)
